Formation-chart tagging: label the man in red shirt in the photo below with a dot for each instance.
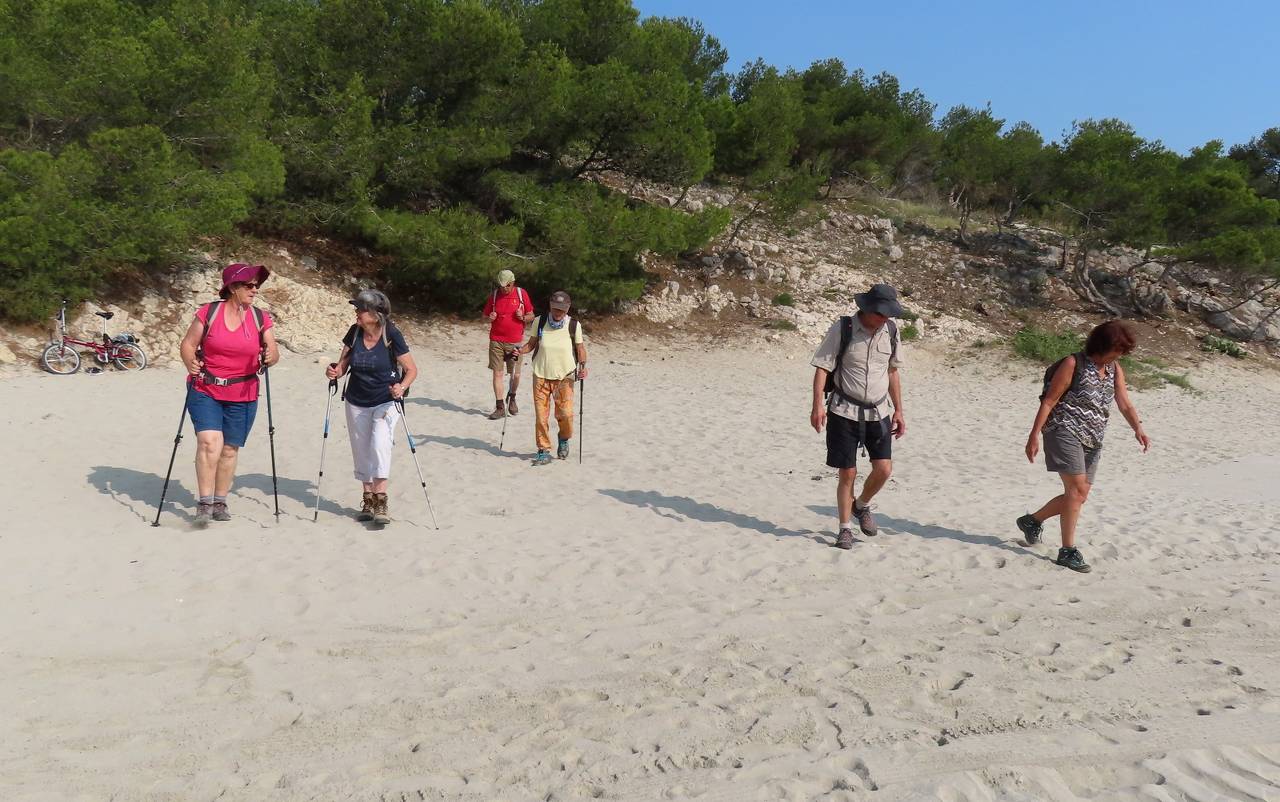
(508, 310)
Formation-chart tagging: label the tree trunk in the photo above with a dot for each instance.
(1084, 286)
(683, 193)
(737, 229)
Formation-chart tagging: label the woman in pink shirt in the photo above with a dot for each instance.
(225, 347)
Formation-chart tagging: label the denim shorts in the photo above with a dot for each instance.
(233, 418)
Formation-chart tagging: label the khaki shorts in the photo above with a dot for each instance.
(1064, 453)
(497, 351)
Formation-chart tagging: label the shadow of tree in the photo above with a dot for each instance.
(679, 508)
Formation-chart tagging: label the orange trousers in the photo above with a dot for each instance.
(544, 391)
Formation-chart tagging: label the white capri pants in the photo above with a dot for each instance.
(372, 432)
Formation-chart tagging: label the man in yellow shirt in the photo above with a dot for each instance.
(559, 358)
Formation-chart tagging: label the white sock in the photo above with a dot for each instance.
(845, 525)
(858, 505)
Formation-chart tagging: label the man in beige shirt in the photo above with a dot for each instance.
(863, 396)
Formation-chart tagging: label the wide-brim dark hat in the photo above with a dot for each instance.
(240, 273)
(881, 299)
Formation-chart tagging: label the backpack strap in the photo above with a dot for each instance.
(893, 340)
(211, 314)
(573, 333)
(542, 321)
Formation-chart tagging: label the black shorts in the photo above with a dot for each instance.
(843, 441)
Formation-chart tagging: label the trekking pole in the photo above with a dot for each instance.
(271, 435)
(506, 408)
(333, 390)
(581, 418)
(177, 439)
(414, 451)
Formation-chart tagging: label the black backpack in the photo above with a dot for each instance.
(1053, 369)
(353, 332)
(846, 335)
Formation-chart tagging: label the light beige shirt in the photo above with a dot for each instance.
(865, 371)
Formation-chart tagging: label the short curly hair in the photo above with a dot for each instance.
(1110, 336)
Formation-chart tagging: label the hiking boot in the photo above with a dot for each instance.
(845, 541)
(498, 412)
(380, 516)
(866, 522)
(562, 450)
(219, 511)
(1073, 559)
(366, 508)
(1031, 529)
(204, 514)
(512, 409)
(543, 458)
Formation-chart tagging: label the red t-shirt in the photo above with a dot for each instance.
(509, 327)
(228, 354)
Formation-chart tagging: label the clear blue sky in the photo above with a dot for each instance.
(1179, 71)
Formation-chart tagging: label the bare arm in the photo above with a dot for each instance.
(408, 372)
(187, 348)
(1130, 412)
(818, 415)
(340, 367)
(272, 348)
(895, 393)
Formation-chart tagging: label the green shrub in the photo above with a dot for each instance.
(910, 332)
(1045, 346)
(780, 325)
(909, 316)
(1222, 345)
(784, 299)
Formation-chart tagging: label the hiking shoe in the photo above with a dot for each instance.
(511, 405)
(1073, 559)
(380, 516)
(1031, 529)
(498, 412)
(204, 514)
(543, 458)
(219, 511)
(866, 521)
(845, 541)
(366, 508)
(562, 450)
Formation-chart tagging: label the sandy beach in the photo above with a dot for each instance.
(667, 620)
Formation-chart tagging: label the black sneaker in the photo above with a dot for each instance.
(845, 541)
(1073, 559)
(1031, 529)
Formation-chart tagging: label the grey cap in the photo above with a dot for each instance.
(560, 300)
(881, 299)
(372, 301)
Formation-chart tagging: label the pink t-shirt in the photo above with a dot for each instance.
(228, 354)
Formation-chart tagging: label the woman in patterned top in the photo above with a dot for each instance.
(1073, 419)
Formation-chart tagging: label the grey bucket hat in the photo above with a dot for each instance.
(372, 301)
(881, 299)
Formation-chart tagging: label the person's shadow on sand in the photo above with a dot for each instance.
(139, 491)
(472, 443)
(891, 525)
(679, 508)
(447, 406)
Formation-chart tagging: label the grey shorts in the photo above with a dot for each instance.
(1063, 453)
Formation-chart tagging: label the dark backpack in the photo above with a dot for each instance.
(1053, 369)
(846, 336)
(573, 331)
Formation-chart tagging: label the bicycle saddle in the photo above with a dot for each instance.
(105, 315)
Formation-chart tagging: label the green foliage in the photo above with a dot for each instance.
(910, 332)
(784, 299)
(1045, 346)
(1261, 161)
(781, 325)
(969, 158)
(909, 316)
(1222, 345)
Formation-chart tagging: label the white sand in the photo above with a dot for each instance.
(665, 621)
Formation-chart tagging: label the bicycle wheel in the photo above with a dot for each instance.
(60, 359)
(129, 357)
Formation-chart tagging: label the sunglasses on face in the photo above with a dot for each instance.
(247, 285)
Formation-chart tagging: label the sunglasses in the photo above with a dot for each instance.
(248, 285)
